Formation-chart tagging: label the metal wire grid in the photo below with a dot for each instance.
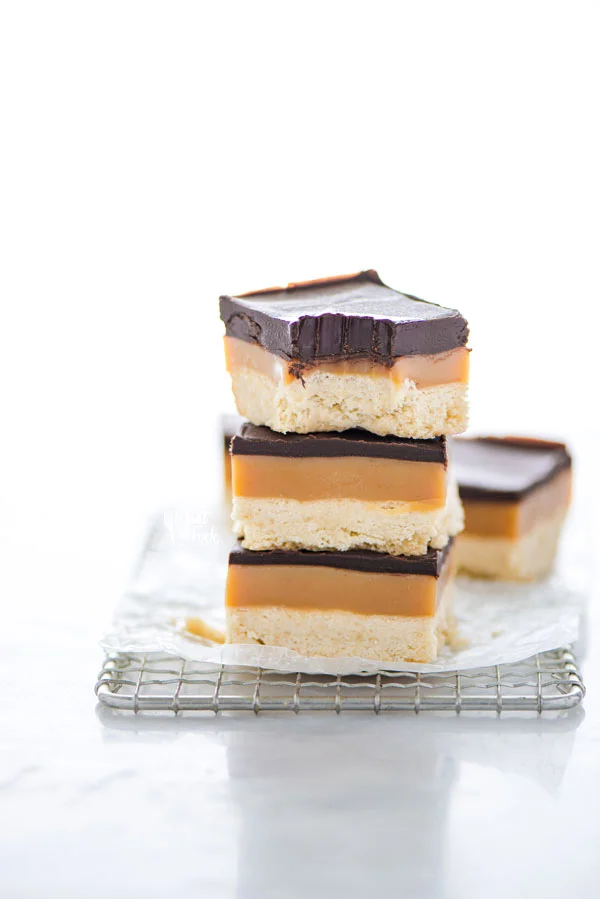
(160, 683)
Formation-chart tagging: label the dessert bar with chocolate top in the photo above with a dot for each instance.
(516, 493)
(356, 603)
(347, 352)
(341, 491)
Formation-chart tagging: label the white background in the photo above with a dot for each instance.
(153, 156)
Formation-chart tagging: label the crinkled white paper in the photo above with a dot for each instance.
(182, 574)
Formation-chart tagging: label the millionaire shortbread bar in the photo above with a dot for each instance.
(356, 603)
(335, 491)
(515, 492)
(347, 352)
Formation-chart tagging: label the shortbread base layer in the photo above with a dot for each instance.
(338, 634)
(264, 523)
(322, 401)
(522, 558)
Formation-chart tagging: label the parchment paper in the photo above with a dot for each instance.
(182, 574)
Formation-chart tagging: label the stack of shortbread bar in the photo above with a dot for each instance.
(344, 500)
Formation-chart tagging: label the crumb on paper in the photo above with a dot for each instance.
(455, 641)
(497, 633)
(200, 628)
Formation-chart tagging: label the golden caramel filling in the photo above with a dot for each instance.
(227, 470)
(306, 587)
(421, 485)
(511, 520)
(424, 371)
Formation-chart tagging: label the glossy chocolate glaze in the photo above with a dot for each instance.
(260, 441)
(431, 564)
(505, 468)
(350, 316)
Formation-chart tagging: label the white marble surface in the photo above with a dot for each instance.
(97, 803)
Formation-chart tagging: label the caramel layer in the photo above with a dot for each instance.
(425, 371)
(422, 484)
(512, 519)
(227, 473)
(304, 587)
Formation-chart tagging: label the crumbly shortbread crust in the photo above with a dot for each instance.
(322, 401)
(265, 523)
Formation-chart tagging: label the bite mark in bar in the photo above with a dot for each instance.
(331, 319)
(451, 367)
(347, 352)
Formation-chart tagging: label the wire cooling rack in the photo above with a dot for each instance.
(550, 681)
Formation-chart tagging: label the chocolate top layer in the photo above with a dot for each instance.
(350, 316)
(505, 468)
(430, 564)
(259, 441)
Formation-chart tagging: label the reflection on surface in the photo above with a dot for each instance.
(326, 802)
(322, 813)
